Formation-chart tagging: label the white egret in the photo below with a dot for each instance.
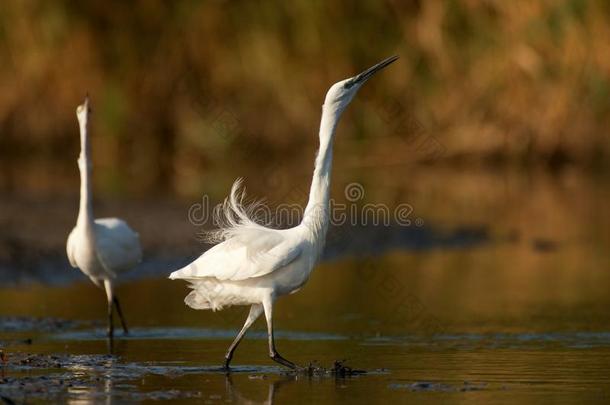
(101, 248)
(253, 264)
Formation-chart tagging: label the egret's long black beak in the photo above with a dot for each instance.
(364, 76)
(86, 103)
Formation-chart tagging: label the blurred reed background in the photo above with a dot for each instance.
(186, 88)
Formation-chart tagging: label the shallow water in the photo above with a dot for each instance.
(500, 297)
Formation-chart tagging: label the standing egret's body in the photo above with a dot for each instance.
(254, 265)
(101, 248)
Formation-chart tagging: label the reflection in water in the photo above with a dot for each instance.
(507, 366)
(93, 382)
(91, 393)
(116, 346)
(273, 388)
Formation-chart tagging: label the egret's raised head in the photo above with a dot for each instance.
(83, 110)
(340, 94)
(82, 113)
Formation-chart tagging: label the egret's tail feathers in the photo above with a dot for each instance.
(235, 217)
(210, 294)
(196, 301)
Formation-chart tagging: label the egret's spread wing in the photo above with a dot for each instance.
(70, 249)
(118, 246)
(247, 250)
(243, 258)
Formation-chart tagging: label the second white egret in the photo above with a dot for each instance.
(101, 248)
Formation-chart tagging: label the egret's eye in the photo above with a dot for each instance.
(348, 84)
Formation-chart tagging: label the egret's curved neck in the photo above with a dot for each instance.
(316, 213)
(85, 212)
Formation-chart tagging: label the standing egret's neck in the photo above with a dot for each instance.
(316, 213)
(85, 212)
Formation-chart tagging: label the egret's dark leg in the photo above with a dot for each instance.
(255, 312)
(121, 317)
(110, 346)
(275, 356)
(110, 323)
(109, 295)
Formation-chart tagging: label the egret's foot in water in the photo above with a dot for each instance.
(279, 359)
(110, 331)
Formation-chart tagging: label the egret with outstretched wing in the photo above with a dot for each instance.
(253, 264)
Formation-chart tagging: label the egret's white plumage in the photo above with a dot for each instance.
(101, 248)
(253, 264)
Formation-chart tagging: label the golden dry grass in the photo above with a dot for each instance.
(182, 87)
